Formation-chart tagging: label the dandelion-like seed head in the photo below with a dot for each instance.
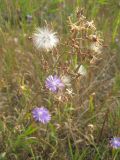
(82, 70)
(44, 38)
(41, 114)
(53, 83)
(115, 142)
(66, 80)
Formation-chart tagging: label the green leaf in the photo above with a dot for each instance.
(91, 104)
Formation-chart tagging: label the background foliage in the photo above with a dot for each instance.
(70, 134)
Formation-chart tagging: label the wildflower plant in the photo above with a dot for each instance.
(77, 73)
(84, 38)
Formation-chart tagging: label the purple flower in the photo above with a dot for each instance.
(115, 142)
(53, 83)
(41, 114)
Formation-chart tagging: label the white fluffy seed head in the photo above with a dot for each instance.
(44, 38)
(66, 80)
(82, 70)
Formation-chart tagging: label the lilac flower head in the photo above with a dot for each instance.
(53, 83)
(115, 142)
(41, 114)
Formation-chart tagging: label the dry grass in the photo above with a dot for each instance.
(84, 115)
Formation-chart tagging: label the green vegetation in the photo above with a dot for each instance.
(83, 121)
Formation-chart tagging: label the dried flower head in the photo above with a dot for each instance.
(44, 38)
(53, 83)
(66, 80)
(82, 70)
(70, 92)
(96, 47)
(90, 24)
(41, 114)
(115, 142)
(93, 60)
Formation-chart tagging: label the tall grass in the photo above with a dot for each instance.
(81, 127)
